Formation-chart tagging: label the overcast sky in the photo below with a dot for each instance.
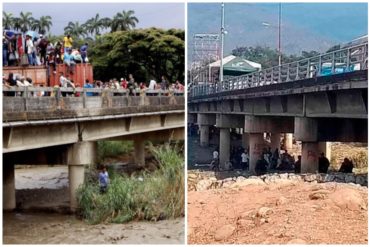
(162, 15)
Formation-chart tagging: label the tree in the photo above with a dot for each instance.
(146, 53)
(24, 22)
(75, 29)
(94, 25)
(42, 25)
(8, 20)
(124, 21)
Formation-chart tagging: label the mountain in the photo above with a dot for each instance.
(305, 26)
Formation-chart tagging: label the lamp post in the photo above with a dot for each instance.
(279, 34)
(222, 41)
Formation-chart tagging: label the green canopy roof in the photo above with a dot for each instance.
(238, 66)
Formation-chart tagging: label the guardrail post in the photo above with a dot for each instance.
(84, 98)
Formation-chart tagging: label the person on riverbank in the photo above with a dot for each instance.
(103, 179)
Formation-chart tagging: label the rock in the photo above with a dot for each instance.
(224, 232)
(329, 178)
(245, 222)
(240, 178)
(192, 176)
(264, 212)
(348, 198)
(339, 178)
(204, 184)
(310, 177)
(227, 183)
(350, 178)
(281, 201)
(360, 180)
(297, 241)
(247, 182)
(248, 214)
(319, 195)
(284, 176)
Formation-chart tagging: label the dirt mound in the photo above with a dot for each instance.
(295, 213)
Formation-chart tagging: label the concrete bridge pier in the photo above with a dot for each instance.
(245, 140)
(305, 130)
(325, 147)
(288, 142)
(224, 147)
(9, 202)
(275, 141)
(204, 135)
(80, 154)
(139, 145)
(256, 144)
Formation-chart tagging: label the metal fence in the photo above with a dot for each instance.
(340, 61)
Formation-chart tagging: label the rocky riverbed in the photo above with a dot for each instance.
(277, 209)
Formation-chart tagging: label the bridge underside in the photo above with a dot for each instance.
(39, 136)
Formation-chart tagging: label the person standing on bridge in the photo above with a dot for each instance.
(103, 179)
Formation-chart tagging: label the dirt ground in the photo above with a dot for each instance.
(280, 213)
(42, 228)
(42, 191)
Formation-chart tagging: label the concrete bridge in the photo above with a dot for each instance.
(63, 130)
(320, 99)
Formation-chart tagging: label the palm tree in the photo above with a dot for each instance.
(123, 21)
(43, 24)
(8, 20)
(24, 21)
(75, 29)
(93, 25)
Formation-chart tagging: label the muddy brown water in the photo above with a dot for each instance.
(43, 189)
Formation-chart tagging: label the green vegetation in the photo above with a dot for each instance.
(146, 53)
(113, 148)
(146, 196)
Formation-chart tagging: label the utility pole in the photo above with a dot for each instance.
(222, 41)
(279, 35)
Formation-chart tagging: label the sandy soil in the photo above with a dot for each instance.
(65, 229)
(278, 214)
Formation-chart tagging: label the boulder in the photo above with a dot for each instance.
(224, 232)
(346, 198)
(204, 184)
(263, 212)
(281, 201)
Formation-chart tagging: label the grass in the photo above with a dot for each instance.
(113, 148)
(144, 196)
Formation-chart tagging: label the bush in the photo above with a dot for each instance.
(113, 148)
(360, 159)
(150, 196)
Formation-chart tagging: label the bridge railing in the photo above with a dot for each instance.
(26, 92)
(340, 61)
(23, 99)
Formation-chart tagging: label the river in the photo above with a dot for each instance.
(42, 189)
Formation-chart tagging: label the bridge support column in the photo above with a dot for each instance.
(305, 130)
(288, 141)
(224, 146)
(245, 140)
(8, 186)
(204, 135)
(255, 152)
(139, 145)
(310, 157)
(79, 155)
(325, 147)
(275, 141)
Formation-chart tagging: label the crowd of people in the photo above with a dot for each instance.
(38, 50)
(65, 81)
(274, 161)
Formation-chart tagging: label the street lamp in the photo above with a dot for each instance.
(222, 41)
(266, 24)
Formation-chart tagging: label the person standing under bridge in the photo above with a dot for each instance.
(103, 179)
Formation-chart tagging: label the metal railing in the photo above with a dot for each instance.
(31, 91)
(340, 61)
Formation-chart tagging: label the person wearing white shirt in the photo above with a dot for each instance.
(245, 159)
(152, 84)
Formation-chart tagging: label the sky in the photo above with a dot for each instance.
(305, 26)
(162, 15)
